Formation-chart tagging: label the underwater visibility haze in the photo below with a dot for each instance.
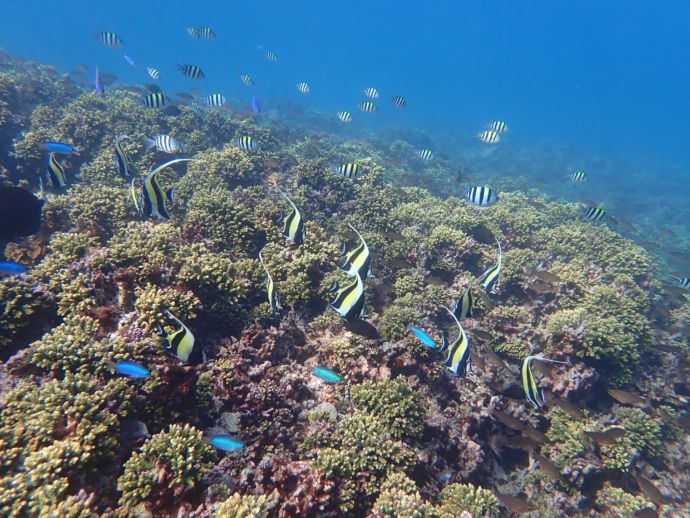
(319, 259)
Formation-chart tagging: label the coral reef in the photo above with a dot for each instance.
(399, 435)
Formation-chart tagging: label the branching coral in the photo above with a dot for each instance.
(456, 498)
(170, 464)
(243, 506)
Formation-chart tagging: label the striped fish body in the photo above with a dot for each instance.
(247, 143)
(247, 79)
(56, 172)
(489, 137)
(155, 100)
(154, 197)
(358, 260)
(216, 100)
(399, 101)
(349, 300)
(350, 170)
(578, 176)
(463, 306)
(154, 73)
(206, 32)
(595, 213)
(367, 107)
(482, 196)
(498, 127)
(109, 39)
(344, 116)
(293, 226)
(303, 87)
(271, 56)
(489, 278)
(182, 344)
(683, 282)
(123, 163)
(371, 92)
(425, 154)
(532, 392)
(192, 32)
(273, 296)
(191, 71)
(459, 361)
(166, 144)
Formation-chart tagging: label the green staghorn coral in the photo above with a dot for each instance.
(169, 464)
(399, 316)
(456, 498)
(22, 303)
(152, 302)
(399, 497)
(393, 403)
(644, 437)
(243, 506)
(625, 504)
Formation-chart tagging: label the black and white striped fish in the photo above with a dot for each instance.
(123, 163)
(154, 73)
(303, 87)
(191, 71)
(271, 56)
(109, 39)
(358, 260)
(247, 143)
(293, 225)
(216, 100)
(206, 32)
(56, 172)
(166, 144)
(425, 154)
(498, 126)
(682, 282)
(371, 92)
(273, 296)
(489, 278)
(489, 137)
(481, 195)
(367, 106)
(533, 393)
(595, 213)
(192, 32)
(399, 101)
(344, 115)
(247, 79)
(350, 170)
(153, 197)
(578, 176)
(155, 100)
(463, 306)
(458, 358)
(349, 300)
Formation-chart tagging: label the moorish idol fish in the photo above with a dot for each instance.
(123, 163)
(56, 172)
(534, 394)
(293, 226)
(458, 359)
(463, 306)
(349, 300)
(152, 193)
(358, 260)
(490, 277)
(181, 343)
(273, 296)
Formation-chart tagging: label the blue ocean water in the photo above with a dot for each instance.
(584, 84)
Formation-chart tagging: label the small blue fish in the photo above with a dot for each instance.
(132, 369)
(98, 82)
(255, 104)
(226, 442)
(58, 147)
(425, 338)
(326, 374)
(11, 268)
(130, 60)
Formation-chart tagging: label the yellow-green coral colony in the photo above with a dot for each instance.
(102, 281)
